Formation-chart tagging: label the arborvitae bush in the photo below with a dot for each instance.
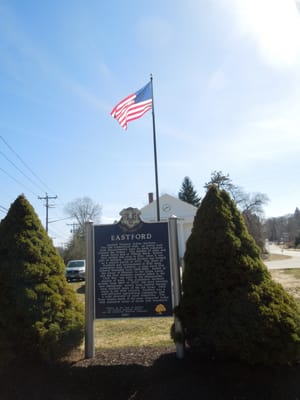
(40, 316)
(231, 308)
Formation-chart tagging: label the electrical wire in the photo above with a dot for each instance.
(20, 183)
(36, 181)
(3, 209)
(23, 173)
(26, 165)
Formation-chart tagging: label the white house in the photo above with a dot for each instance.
(172, 206)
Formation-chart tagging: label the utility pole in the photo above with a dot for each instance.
(74, 228)
(47, 205)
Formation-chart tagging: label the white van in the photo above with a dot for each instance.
(75, 270)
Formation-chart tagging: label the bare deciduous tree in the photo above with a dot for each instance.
(250, 205)
(82, 210)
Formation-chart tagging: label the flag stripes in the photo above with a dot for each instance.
(133, 106)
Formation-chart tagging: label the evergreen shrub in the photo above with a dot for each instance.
(231, 308)
(40, 316)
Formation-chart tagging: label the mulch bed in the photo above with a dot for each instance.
(147, 373)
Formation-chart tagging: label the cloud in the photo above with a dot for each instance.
(274, 25)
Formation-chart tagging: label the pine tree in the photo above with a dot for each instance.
(188, 193)
(231, 307)
(40, 316)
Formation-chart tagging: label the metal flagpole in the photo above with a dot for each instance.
(155, 153)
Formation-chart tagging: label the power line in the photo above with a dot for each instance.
(35, 179)
(54, 229)
(23, 173)
(3, 209)
(25, 164)
(61, 219)
(20, 183)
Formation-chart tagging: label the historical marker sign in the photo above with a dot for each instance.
(132, 268)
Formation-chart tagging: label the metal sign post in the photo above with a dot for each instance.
(89, 292)
(175, 273)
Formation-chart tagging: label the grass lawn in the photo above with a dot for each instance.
(275, 257)
(290, 280)
(147, 332)
(128, 332)
(138, 332)
(293, 272)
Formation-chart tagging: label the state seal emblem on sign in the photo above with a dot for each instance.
(130, 219)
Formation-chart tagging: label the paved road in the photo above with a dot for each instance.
(292, 262)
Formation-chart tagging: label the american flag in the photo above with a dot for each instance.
(133, 106)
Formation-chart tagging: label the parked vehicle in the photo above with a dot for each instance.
(75, 270)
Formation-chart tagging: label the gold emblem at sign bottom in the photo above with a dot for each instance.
(160, 309)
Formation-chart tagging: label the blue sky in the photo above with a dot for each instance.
(226, 77)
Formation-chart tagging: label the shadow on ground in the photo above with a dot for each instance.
(165, 379)
(81, 289)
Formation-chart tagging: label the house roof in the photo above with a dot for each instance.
(169, 206)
